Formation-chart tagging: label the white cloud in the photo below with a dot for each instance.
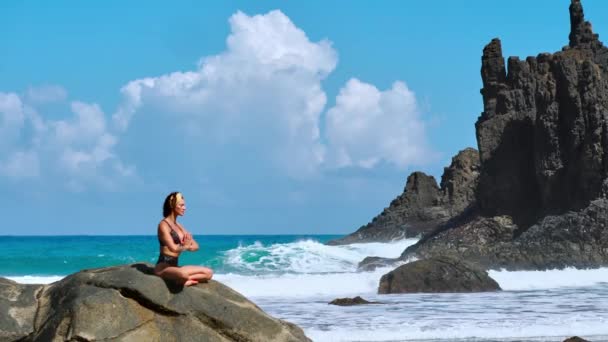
(261, 98)
(88, 125)
(367, 126)
(78, 151)
(265, 89)
(21, 165)
(84, 149)
(12, 119)
(45, 94)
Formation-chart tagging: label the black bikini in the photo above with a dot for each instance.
(168, 259)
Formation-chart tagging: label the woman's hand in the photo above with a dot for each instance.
(189, 243)
(187, 240)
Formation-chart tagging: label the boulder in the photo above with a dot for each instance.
(351, 301)
(129, 302)
(575, 339)
(440, 274)
(18, 306)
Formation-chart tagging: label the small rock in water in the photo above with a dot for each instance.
(351, 301)
(575, 339)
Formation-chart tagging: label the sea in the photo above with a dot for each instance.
(294, 277)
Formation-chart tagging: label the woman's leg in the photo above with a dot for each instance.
(172, 272)
(198, 273)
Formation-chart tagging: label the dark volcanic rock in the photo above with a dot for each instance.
(459, 182)
(543, 136)
(575, 339)
(543, 145)
(373, 262)
(441, 274)
(423, 205)
(128, 303)
(576, 238)
(351, 301)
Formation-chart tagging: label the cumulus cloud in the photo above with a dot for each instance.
(21, 165)
(45, 94)
(78, 151)
(367, 126)
(264, 89)
(12, 119)
(88, 124)
(262, 96)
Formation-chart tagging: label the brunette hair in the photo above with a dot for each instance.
(170, 203)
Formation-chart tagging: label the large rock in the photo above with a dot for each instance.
(423, 205)
(441, 274)
(543, 144)
(543, 134)
(18, 307)
(129, 303)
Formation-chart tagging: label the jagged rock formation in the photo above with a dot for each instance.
(128, 303)
(543, 145)
(423, 205)
(441, 274)
(543, 135)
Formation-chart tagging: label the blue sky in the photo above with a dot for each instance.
(271, 117)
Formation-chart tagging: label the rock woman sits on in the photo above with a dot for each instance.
(174, 239)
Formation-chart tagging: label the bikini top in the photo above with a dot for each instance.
(174, 235)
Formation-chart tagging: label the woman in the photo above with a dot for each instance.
(174, 239)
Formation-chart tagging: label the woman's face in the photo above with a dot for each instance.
(180, 207)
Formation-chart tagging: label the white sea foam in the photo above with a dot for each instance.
(304, 285)
(468, 332)
(307, 267)
(28, 279)
(539, 315)
(308, 256)
(550, 279)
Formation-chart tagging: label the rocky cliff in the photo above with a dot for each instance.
(543, 136)
(543, 146)
(424, 205)
(129, 303)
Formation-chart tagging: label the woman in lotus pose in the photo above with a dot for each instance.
(174, 239)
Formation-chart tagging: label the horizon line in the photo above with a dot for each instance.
(108, 235)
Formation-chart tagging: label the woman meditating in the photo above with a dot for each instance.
(174, 239)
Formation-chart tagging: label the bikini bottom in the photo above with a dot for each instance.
(167, 259)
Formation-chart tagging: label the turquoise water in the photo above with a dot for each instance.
(295, 277)
(62, 255)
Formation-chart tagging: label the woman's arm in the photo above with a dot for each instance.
(193, 244)
(164, 234)
(189, 242)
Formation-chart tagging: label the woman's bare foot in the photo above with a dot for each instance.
(190, 282)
